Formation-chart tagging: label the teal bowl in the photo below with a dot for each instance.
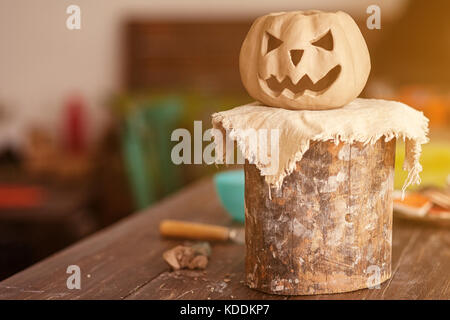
(230, 187)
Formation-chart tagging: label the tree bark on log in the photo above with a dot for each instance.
(329, 227)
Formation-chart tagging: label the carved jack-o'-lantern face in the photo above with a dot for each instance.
(304, 60)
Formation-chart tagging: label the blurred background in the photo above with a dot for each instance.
(86, 115)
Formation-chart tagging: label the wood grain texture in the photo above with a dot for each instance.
(125, 261)
(329, 228)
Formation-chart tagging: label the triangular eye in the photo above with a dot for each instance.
(272, 42)
(325, 42)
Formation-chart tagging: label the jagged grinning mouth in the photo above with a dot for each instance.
(305, 83)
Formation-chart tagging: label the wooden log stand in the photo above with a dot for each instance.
(329, 228)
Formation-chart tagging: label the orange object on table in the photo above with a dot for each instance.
(439, 212)
(414, 204)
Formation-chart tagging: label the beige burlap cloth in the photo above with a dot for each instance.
(362, 120)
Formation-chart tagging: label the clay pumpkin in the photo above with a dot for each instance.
(304, 60)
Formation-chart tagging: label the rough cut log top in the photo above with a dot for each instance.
(362, 120)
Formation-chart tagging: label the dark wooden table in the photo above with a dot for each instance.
(125, 261)
(43, 218)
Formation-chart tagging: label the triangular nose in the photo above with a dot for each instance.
(296, 56)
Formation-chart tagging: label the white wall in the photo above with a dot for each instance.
(41, 61)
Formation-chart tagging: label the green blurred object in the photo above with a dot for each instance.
(147, 146)
(435, 161)
(230, 186)
(142, 158)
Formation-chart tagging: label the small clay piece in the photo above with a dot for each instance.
(190, 256)
(304, 60)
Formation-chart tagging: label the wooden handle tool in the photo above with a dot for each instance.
(199, 231)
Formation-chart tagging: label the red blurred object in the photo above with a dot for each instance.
(75, 125)
(17, 196)
(435, 105)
